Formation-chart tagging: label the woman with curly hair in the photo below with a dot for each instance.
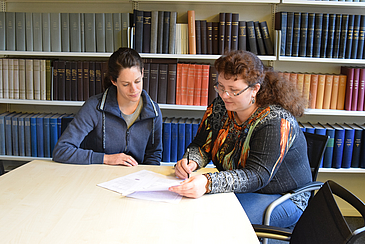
(251, 134)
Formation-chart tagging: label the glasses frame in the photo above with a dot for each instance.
(228, 92)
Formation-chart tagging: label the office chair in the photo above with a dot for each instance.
(316, 145)
(322, 221)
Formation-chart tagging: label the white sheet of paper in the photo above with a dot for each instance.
(146, 185)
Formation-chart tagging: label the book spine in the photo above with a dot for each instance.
(162, 84)
(14, 135)
(90, 35)
(154, 71)
(43, 79)
(313, 90)
(28, 31)
(109, 29)
(3, 32)
(117, 30)
(80, 81)
(210, 38)
(205, 85)
(235, 25)
(146, 77)
(310, 34)
(191, 29)
(361, 93)
(203, 34)
(360, 51)
(334, 93)
(184, 84)
(336, 45)
(228, 32)
(172, 31)
(289, 34)
(20, 31)
(317, 35)
(349, 88)
(355, 161)
(213, 76)
(65, 32)
(74, 84)
(190, 84)
(327, 92)
(222, 29)
(303, 35)
(355, 36)
(10, 31)
(355, 91)
(166, 142)
(348, 148)
(160, 29)
(283, 28)
(331, 35)
(100, 32)
(341, 92)
(154, 28)
(259, 40)
(171, 84)
(27, 137)
(251, 37)
(198, 37)
(68, 81)
(198, 84)
(40, 136)
(325, 33)
(125, 29)
(266, 37)
(37, 32)
(46, 137)
(349, 36)
(242, 37)
(343, 38)
(92, 78)
(338, 148)
(166, 32)
(328, 154)
(216, 38)
(320, 91)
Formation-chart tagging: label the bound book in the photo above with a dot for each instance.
(228, 32)
(310, 34)
(343, 37)
(338, 146)
(303, 35)
(222, 34)
(317, 35)
(358, 131)
(348, 145)
(242, 36)
(166, 154)
(252, 37)
(328, 153)
(331, 35)
(336, 45)
(349, 36)
(325, 26)
(191, 29)
(235, 26)
(171, 84)
(166, 32)
(289, 34)
(355, 36)
(296, 34)
(362, 150)
(259, 40)
(146, 31)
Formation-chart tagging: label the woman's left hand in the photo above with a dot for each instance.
(193, 187)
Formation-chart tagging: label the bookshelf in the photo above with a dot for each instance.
(248, 9)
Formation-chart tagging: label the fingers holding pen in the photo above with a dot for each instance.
(183, 169)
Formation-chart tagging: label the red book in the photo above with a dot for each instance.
(190, 84)
(349, 86)
(355, 91)
(198, 84)
(184, 83)
(360, 100)
(205, 85)
(178, 83)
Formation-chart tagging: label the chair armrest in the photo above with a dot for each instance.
(311, 186)
(272, 232)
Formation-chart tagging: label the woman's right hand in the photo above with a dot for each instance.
(120, 159)
(183, 169)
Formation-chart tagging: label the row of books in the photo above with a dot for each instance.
(31, 134)
(228, 34)
(64, 32)
(323, 91)
(355, 88)
(177, 134)
(346, 145)
(321, 35)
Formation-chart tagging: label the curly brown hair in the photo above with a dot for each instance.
(274, 88)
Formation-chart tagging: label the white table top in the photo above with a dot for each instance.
(48, 202)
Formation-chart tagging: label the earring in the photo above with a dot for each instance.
(253, 100)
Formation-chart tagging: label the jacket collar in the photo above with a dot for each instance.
(108, 103)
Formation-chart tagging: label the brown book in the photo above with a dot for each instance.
(306, 86)
(68, 81)
(191, 86)
(171, 84)
(61, 80)
(162, 83)
(300, 83)
(203, 36)
(146, 77)
(294, 78)
(222, 30)
(327, 91)
(205, 85)
(242, 36)
(191, 29)
(234, 40)
(91, 78)
(184, 84)
(215, 38)
(228, 32)
(198, 37)
(334, 95)
(154, 72)
(98, 82)
(341, 92)
(86, 80)
(80, 81)
(198, 84)
(320, 91)
(213, 78)
(104, 73)
(313, 91)
(178, 83)
(209, 37)
(55, 80)
(73, 80)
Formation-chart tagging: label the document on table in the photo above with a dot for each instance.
(145, 185)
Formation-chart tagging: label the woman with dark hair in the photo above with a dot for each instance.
(251, 135)
(121, 126)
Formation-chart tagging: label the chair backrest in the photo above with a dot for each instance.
(316, 145)
(322, 220)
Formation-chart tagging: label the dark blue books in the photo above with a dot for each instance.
(33, 134)
(348, 146)
(14, 134)
(355, 36)
(328, 153)
(21, 134)
(362, 151)
(27, 136)
(308, 127)
(349, 36)
(2, 133)
(8, 134)
(338, 147)
(181, 138)
(355, 162)
(174, 139)
(196, 124)
(53, 131)
(40, 135)
(47, 136)
(320, 130)
(166, 140)
(283, 27)
(301, 126)
(188, 132)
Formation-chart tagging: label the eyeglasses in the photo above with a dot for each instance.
(229, 93)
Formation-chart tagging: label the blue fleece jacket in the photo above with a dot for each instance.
(99, 128)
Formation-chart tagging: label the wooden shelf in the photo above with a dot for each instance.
(321, 60)
(325, 3)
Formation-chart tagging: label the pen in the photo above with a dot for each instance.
(187, 150)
